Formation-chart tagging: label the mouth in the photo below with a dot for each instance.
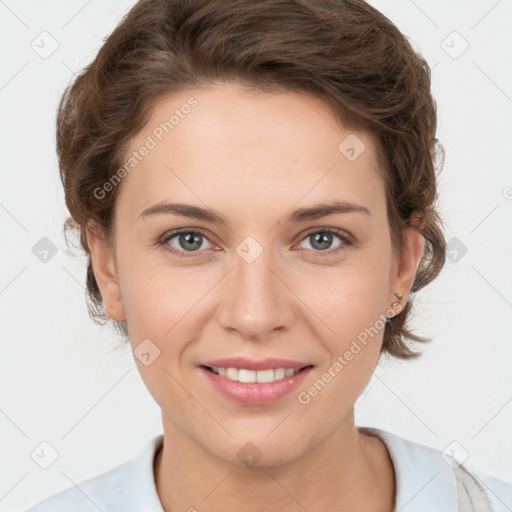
(248, 376)
(265, 383)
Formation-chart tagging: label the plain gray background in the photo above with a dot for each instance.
(63, 383)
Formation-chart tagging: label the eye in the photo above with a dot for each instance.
(183, 241)
(322, 238)
(187, 242)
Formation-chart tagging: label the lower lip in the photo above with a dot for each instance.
(253, 393)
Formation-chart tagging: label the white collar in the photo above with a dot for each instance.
(424, 480)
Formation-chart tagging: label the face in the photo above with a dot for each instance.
(280, 276)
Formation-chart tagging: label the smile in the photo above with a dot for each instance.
(254, 387)
(260, 376)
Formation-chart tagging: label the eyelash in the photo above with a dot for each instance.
(345, 239)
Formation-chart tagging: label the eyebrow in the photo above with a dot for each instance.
(299, 215)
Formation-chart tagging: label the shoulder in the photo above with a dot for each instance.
(429, 479)
(89, 495)
(498, 490)
(129, 486)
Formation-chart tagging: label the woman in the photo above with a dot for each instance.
(255, 186)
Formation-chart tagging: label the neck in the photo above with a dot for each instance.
(348, 470)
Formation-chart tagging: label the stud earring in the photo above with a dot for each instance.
(398, 295)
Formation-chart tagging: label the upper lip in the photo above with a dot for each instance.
(252, 364)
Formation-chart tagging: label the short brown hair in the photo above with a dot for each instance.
(344, 52)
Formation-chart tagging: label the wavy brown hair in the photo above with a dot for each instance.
(344, 52)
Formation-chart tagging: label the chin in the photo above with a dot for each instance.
(254, 451)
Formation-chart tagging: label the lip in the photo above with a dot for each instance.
(255, 393)
(251, 364)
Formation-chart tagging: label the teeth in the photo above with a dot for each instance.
(279, 373)
(231, 373)
(243, 375)
(265, 376)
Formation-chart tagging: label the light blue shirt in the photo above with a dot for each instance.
(425, 482)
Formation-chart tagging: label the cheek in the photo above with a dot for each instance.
(347, 301)
(353, 311)
(158, 306)
(155, 295)
(350, 301)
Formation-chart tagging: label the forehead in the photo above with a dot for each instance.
(244, 149)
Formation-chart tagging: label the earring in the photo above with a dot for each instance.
(398, 295)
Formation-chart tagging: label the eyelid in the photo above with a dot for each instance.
(173, 232)
(337, 231)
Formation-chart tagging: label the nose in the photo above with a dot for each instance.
(256, 300)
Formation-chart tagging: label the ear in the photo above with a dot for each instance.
(408, 259)
(104, 267)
